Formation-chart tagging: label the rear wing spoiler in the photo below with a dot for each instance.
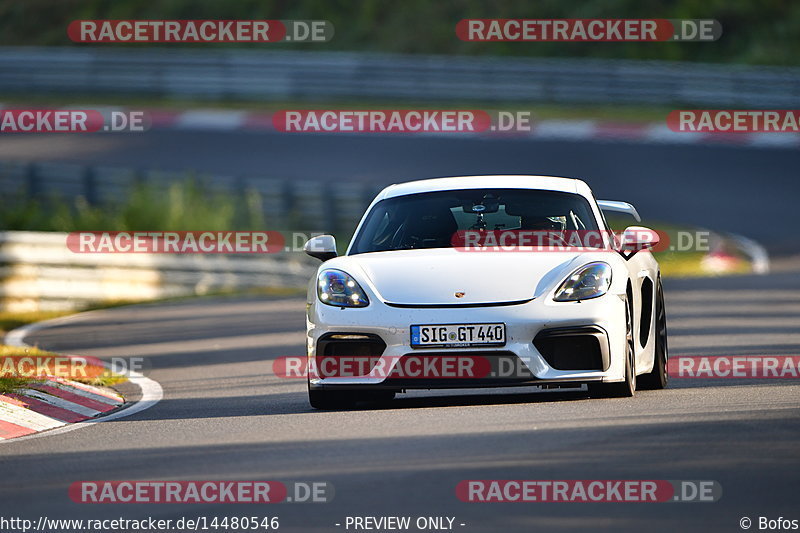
(619, 207)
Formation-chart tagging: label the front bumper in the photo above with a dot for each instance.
(548, 341)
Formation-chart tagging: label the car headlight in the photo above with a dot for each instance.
(339, 289)
(589, 281)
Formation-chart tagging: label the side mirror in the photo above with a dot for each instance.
(636, 238)
(323, 247)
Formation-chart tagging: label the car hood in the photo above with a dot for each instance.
(433, 277)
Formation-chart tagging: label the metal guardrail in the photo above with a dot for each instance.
(39, 272)
(303, 205)
(219, 74)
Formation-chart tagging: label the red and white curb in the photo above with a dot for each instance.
(50, 404)
(655, 133)
(59, 405)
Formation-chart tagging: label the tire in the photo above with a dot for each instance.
(627, 387)
(658, 377)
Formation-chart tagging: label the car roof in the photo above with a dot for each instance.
(549, 183)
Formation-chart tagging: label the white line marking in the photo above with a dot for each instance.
(212, 119)
(152, 393)
(55, 401)
(564, 129)
(27, 418)
(661, 133)
(83, 393)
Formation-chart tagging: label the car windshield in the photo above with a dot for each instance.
(429, 220)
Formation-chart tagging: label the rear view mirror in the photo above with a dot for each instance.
(488, 204)
(323, 247)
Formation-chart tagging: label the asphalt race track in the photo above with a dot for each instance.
(751, 191)
(225, 416)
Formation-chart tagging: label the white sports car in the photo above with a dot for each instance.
(448, 284)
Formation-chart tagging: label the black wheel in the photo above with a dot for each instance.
(327, 400)
(658, 377)
(626, 388)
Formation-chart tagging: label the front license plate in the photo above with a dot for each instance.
(458, 335)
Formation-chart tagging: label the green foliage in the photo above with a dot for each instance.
(763, 32)
(186, 205)
(8, 385)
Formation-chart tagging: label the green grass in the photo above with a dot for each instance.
(8, 385)
(689, 265)
(10, 320)
(97, 375)
(101, 381)
(13, 383)
(186, 205)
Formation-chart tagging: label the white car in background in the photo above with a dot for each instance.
(406, 290)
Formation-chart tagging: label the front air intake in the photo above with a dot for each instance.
(574, 348)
